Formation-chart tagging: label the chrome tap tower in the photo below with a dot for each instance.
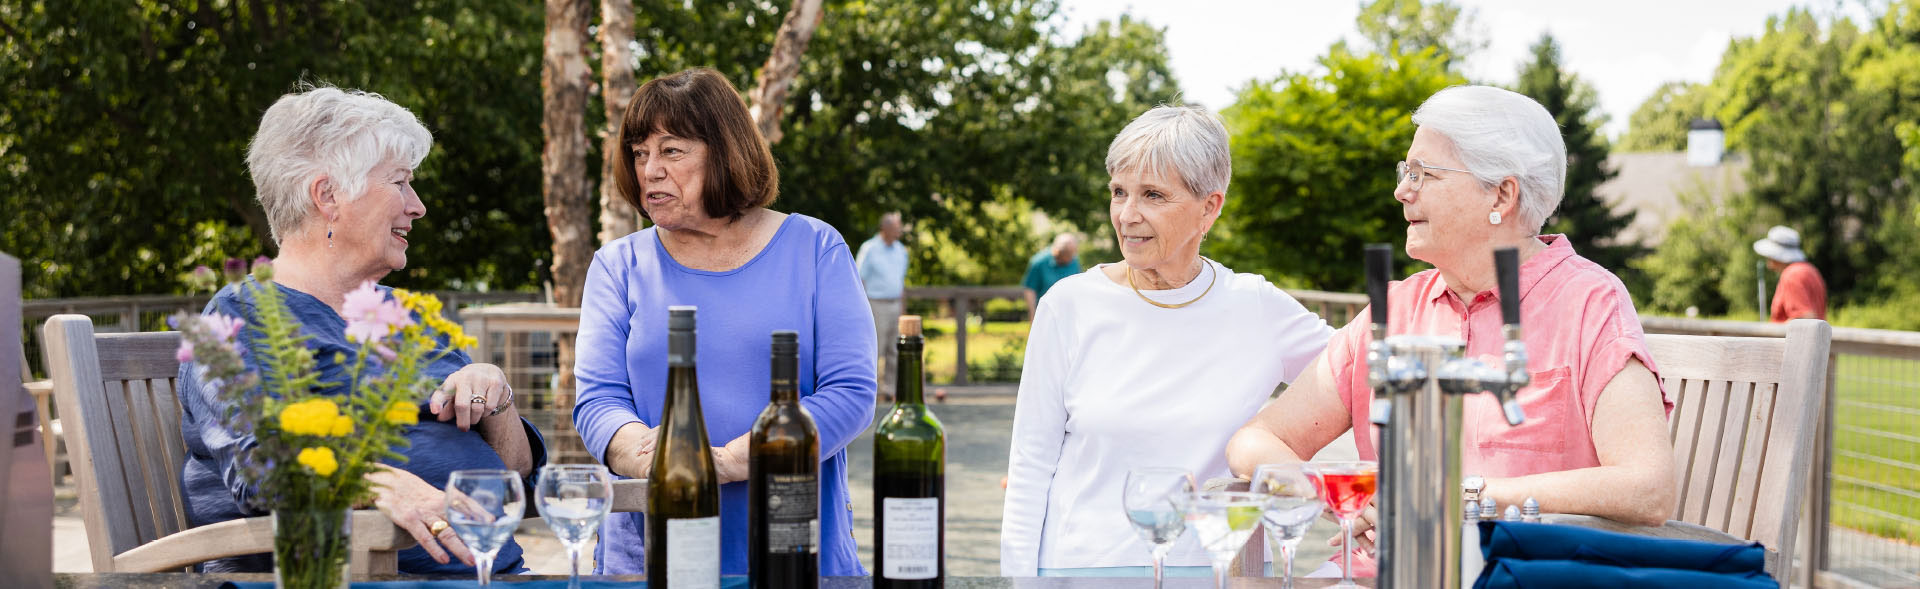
(1420, 383)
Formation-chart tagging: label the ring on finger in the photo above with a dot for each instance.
(438, 527)
(478, 400)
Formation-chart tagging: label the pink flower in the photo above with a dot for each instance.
(185, 353)
(371, 315)
(223, 326)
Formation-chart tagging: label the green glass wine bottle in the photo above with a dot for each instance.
(783, 481)
(909, 480)
(683, 491)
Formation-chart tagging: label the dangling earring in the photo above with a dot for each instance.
(1493, 218)
(330, 233)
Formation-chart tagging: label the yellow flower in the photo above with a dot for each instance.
(402, 413)
(320, 460)
(312, 417)
(342, 426)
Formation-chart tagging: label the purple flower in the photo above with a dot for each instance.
(235, 269)
(223, 326)
(371, 315)
(262, 268)
(185, 353)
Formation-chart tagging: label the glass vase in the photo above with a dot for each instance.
(311, 548)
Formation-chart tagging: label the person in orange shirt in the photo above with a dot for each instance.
(1801, 294)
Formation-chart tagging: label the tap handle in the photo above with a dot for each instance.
(1506, 265)
(1379, 266)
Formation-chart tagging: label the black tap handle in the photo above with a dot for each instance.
(1379, 265)
(1506, 264)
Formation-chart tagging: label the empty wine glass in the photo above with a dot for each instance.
(1294, 505)
(1346, 487)
(484, 507)
(1223, 521)
(1156, 502)
(574, 498)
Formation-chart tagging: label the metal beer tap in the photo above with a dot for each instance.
(1425, 380)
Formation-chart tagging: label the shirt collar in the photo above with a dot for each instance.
(1559, 249)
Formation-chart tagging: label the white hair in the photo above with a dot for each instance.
(1499, 133)
(1188, 141)
(327, 132)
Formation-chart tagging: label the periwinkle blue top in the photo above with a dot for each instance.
(803, 280)
(210, 480)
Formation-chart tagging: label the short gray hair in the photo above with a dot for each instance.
(1499, 133)
(326, 131)
(1187, 140)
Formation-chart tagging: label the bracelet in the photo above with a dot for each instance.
(503, 406)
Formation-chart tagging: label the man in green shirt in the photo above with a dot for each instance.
(1047, 267)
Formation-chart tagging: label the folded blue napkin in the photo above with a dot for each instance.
(726, 582)
(1568, 574)
(1522, 541)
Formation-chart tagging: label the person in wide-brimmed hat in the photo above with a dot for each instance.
(1801, 294)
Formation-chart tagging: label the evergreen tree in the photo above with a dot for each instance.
(1583, 216)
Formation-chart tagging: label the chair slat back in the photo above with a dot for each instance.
(122, 422)
(1742, 427)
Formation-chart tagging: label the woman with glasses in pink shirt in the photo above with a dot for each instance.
(1485, 170)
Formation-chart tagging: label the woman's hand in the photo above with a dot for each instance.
(419, 509)
(471, 394)
(1364, 534)
(630, 453)
(730, 462)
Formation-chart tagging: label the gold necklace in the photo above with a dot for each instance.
(1212, 276)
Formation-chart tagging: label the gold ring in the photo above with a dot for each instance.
(438, 527)
(477, 399)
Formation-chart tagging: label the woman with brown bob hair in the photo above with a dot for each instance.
(695, 165)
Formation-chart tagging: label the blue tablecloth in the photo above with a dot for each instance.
(1549, 555)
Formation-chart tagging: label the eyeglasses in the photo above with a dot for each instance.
(1415, 171)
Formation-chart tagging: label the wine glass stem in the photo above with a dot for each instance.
(1286, 565)
(1220, 575)
(573, 555)
(484, 564)
(1159, 562)
(1346, 551)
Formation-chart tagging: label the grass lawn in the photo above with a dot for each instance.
(1006, 340)
(1876, 447)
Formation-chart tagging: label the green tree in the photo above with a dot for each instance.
(1583, 216)
(1660, 123)
(123, 133)
(1313, 158)
(1412, 26)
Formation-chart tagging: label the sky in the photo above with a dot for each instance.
(1625, 48)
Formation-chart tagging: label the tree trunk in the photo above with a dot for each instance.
(617, 218)
(563, 162)
(769, 98)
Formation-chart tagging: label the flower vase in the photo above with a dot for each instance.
(311, 548)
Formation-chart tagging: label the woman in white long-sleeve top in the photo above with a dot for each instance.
(1153, 361)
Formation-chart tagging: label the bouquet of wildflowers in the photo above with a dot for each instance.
(316, 441)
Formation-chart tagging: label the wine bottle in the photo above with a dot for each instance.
(909, 480)
(783, 481)
(683, 493)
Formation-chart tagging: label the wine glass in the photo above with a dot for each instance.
(484, 507)
(1346, 487)
(1223, 521)
(573, 498)
(1156, 502)
(1295, 504)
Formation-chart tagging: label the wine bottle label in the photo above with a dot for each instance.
(693, 553)
(913, 538)
(793, 513)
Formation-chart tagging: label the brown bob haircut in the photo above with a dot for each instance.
(700, 104)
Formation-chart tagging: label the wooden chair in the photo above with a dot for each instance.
(1743, 426)
(122, 421)
(116, 395)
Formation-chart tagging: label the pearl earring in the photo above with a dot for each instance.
(1493, 218)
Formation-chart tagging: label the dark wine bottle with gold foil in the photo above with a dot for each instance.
(783, 481)
(909, 480)
(683, 491)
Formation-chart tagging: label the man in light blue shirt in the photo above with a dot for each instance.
(883, 270)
